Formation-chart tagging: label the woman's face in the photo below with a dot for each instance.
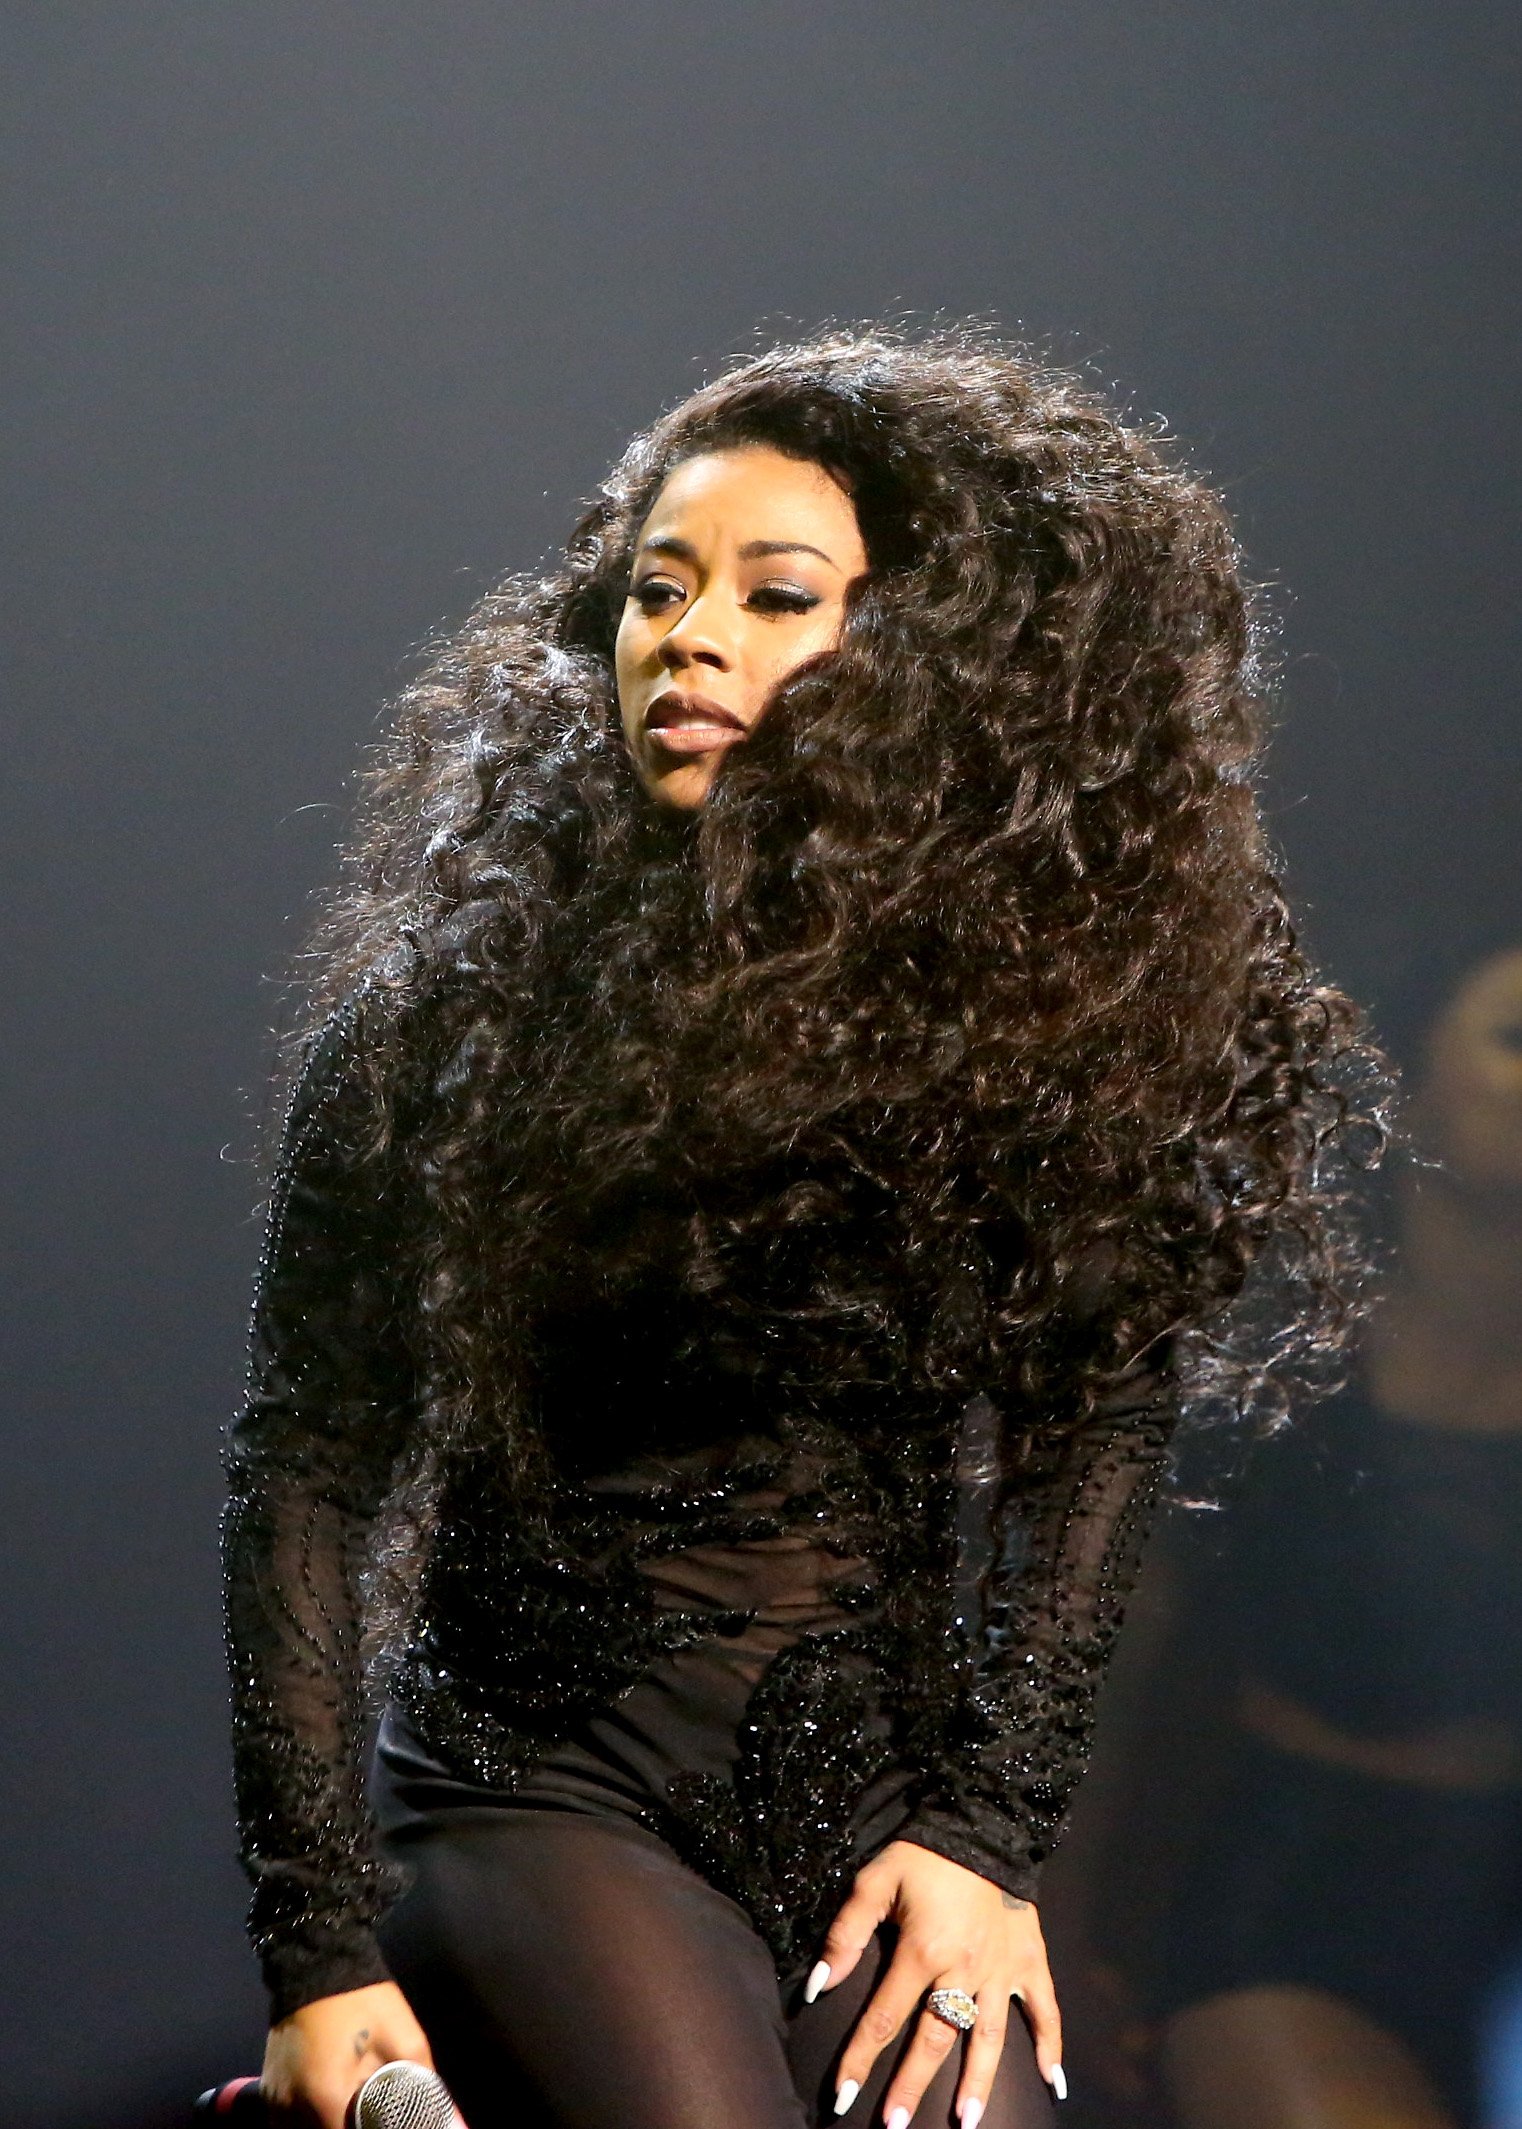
(1474, 1083)
(740, 573)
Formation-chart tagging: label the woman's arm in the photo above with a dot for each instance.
(310, 1455)
(1050, 1572)
(1042, 1589)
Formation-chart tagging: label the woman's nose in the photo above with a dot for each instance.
(697, 638)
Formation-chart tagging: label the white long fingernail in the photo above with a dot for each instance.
(971, 2114)
(816, 1981)
(845, 2098)
(899, 2118)
(1059, 2081)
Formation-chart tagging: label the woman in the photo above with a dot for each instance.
(810, 1047)
(1344, 1893)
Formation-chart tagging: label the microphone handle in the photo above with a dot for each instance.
(240, 2102)
(242, 2105)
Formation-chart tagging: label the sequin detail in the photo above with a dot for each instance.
(963, 1659)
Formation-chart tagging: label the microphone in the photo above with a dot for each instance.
(399, 2095)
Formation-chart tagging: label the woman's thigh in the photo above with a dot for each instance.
(572, 1973)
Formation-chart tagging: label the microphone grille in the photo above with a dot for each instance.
(403, 2095)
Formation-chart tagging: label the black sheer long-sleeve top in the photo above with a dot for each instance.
(914, 1603)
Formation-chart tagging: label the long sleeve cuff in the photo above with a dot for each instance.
(994, 1850)
(316, 1935)
(324, 1959)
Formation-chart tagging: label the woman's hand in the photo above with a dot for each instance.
(317, 2059)
(955, 1931)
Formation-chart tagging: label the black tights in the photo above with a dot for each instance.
(571, 1973)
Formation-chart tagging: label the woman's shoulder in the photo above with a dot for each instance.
(346, 1072)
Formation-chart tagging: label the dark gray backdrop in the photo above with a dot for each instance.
(321, 316)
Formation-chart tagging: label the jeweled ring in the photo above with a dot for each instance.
(956, 2007)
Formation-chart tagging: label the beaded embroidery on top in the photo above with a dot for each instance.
(966, 1661)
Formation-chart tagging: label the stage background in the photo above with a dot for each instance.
(319, 318)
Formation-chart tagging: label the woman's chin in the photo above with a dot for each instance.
(684, 784)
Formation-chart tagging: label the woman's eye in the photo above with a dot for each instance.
(655, 593)
(783, 599)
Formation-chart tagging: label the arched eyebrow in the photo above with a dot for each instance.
(684, 551)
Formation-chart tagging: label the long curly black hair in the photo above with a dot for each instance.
(961, 1038)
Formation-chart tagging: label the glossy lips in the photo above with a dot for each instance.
(691, 724)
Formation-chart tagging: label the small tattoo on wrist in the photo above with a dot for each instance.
(1010, 1900)
(361, 2043)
